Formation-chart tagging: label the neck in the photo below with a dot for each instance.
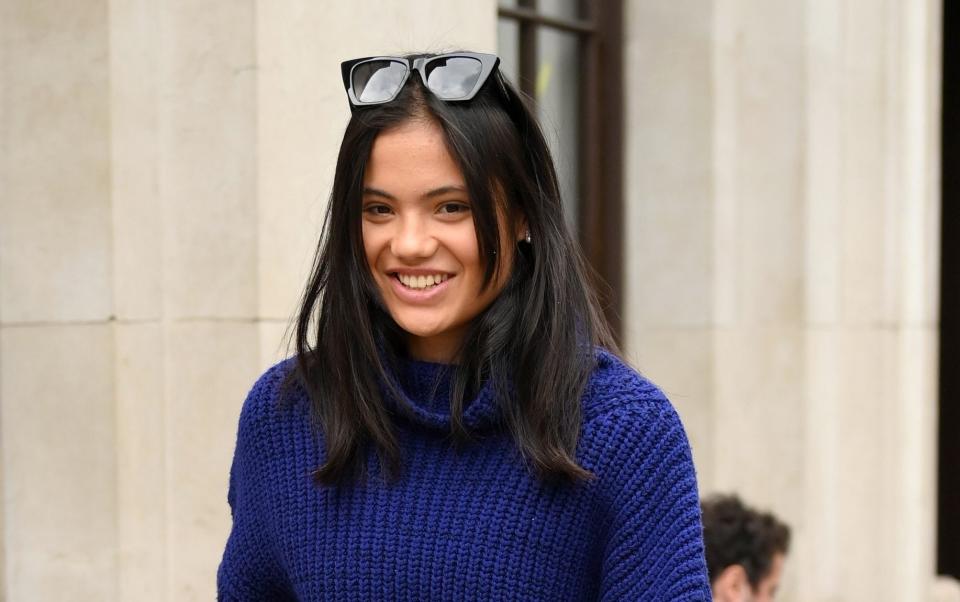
(441, 349)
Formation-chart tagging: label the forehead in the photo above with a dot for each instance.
(411, 158)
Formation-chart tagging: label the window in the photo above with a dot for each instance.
(567, 55)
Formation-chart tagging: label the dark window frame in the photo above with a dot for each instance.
(600, 162)
(948, 448)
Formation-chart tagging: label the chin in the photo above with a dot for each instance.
(421, 333)
(419, 328)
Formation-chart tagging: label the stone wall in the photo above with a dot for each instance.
(782, 256)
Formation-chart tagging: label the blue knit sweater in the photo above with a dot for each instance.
(473, 525)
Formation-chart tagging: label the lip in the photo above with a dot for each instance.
(410, 295)
(416, 272)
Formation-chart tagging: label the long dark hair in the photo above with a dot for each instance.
(536, 340)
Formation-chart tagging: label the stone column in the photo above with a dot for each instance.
(872, 240)
(783, 260)
(58, 438)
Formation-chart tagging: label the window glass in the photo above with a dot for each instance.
(563, 9)
(508, 49)
(558, 102)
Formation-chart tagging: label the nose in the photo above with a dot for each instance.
(413, 239)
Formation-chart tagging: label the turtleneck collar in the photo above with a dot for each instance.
(424, 390)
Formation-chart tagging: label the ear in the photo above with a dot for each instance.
(731, 585)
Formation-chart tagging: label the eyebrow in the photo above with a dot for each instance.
(433, 193)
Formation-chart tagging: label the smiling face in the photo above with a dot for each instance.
(420, 242)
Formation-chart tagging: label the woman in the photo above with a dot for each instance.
(455, 424)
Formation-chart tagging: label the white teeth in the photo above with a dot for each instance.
(421, 282)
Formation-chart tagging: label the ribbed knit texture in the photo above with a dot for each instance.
(473, 525)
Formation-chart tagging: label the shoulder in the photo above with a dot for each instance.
(615, 387)
(645, 487)
(628, 422)
(262, 404)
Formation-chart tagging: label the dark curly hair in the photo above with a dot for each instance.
(734, 533)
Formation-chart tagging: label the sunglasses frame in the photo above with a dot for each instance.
(488, 64)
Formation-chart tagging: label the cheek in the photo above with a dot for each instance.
(461, 244)
(464, 243)
(372, 244)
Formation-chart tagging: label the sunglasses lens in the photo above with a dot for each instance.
(377, 81)
(454, 77)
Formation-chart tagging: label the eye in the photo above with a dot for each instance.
(376, 209)
(453, 208)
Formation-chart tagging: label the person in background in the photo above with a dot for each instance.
(745, 550)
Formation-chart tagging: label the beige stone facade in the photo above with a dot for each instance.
(163, 173)
(783, 236)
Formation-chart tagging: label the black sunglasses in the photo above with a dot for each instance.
(456, 76)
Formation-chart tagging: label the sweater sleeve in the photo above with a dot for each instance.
(653, 549)
(249, 569)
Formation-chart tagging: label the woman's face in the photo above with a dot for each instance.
(419, 240)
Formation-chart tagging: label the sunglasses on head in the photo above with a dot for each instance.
(456, 76)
